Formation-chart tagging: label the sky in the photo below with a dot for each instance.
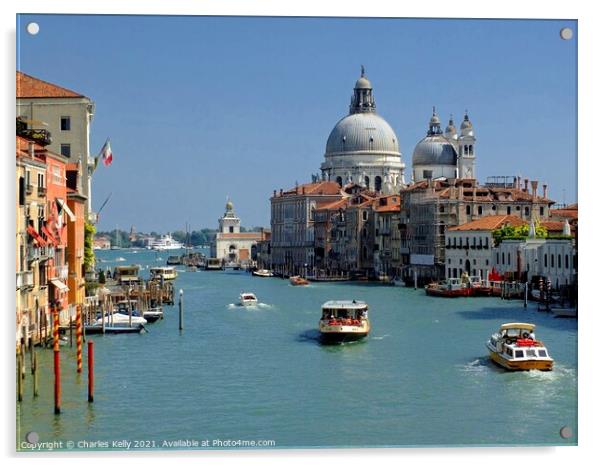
(199, 109)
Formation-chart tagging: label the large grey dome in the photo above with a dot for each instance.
(362, 132)
(434, 150)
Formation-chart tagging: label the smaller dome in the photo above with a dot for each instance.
(229, 206)
(466, 124)
(435, 119)
(434, 150)
(363, 83)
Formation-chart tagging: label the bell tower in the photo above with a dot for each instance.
(466, 150)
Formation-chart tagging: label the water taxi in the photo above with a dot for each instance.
(165, 273)
(344, 321)
(515, 348)
(247, 299)
(262, 273)
(450, 288)
(297, 280)
(213, 263)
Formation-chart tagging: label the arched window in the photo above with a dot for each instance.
(526, 211)
(566, 261)
(545, 260)
(367, 181)
(559, 261)
(467, 210)
(377, 183)
(470, 149)
(480, 210)
(551, 260)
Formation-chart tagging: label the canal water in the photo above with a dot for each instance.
(421, 378)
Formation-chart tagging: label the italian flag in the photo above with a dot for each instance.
(106, 153)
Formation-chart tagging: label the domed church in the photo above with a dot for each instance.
(363, 148)
(445, 155)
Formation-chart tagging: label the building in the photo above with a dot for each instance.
(62, 118)
(468, 247)
(363, 148)
(32, 250)
(232, 245)
(432, 206)
(102, 242)
(75, 209)
(445, 155)
(264, 251)
(388, 260)
(292, 225)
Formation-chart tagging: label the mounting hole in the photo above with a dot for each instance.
(33, 28)
(566, 33)
(32, 437)
(566, 432)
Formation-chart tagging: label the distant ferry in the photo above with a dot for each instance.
(344, 321)
(166, 242)
(167, 273)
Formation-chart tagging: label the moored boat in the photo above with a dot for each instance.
(262, 273)
(213, 263)
(166, 273)
(247, 299)
(343, 321)
(153, 314)
(515, 348)
(297, 280)
(450, 288)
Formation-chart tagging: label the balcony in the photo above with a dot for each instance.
(41, 190)
(33, 253)
(41, 136)
(61, 272)
(28, 189)
(24, 279)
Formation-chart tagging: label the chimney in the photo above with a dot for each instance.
(32, 150)
(526, 189)
(534, 184)
(517, 185)
(545, 191)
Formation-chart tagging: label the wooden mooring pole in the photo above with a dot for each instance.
(57, 363)
(19, 378)
(181, 306)
(34, 373)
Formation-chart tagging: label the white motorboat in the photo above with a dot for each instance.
(515, 348)
(247, 299)
(121, 319)
(262, 273)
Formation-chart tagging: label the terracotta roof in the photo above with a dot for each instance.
(552, 225)
(565, 213)
(340, 204)
(28, 86)
(321, 187)
(490, 222)
(391, 203)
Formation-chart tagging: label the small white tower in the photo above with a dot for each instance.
(466, 150)
(229, 223)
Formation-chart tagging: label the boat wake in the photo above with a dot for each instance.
(477, 365)
(380, 338)
(250, 307)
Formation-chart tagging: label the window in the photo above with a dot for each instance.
(551, 260)
(517, 207)
(545, 260)
(526, 211)
(365, 215)
(480, 210)
(21, 191)
(494, 208)
(559, 261)
(542, 353)
(231, 229)
(467, 210)
(566, 261)
(531, 353)
(41, 180)
(503, 259)
(340, 181)
(66, 150)
(65, 123)
(541, 211)
(497, 258)
(508, 211)
(377, 183)
(427, 174)
(519, 354)
(486, 261)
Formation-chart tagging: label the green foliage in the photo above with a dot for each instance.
(519, 232)
(89, 258)
(101, 277)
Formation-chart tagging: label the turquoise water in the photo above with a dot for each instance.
(422, 377)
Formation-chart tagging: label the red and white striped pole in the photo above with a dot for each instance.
(78, 337)
(57, 361)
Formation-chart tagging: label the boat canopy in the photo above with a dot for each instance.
(344, 305)
(517, 325)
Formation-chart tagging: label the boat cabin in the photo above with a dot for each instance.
(125, 274)
(343, 310)
(168, 273)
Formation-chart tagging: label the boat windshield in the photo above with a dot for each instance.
(344, 313)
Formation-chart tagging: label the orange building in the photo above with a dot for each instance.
(76, 203)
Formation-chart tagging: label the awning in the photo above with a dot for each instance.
(36, 236)
(63, 205)
(59, 284)
(49, 235)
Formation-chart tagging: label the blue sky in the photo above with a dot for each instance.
(201, 108)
